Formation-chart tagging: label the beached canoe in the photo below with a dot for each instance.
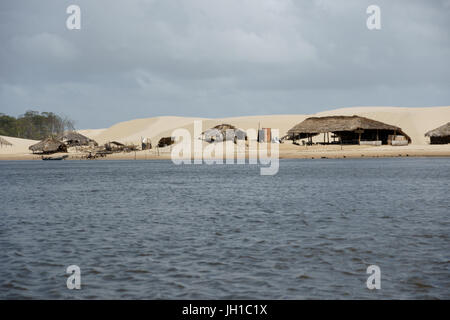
(55, 158)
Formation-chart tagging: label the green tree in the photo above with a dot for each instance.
(35, 125)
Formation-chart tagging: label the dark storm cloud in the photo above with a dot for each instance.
(217, 58)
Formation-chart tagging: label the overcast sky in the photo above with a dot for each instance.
(217, 58)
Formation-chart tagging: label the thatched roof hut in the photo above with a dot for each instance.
(4, 142)
(166, 141)
(114, 146)
(117, 143)
(224, 132)
(350, 129)
(48, 145)
(440, 135)
(73, 139)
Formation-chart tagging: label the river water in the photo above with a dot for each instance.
(155, 230)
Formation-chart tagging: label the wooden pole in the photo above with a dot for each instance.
(257, 134)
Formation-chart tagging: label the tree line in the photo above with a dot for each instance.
(34, 125)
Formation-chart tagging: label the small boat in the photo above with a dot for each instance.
(56, 158)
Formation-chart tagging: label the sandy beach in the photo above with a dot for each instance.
(414, 121)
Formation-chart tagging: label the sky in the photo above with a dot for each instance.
(220, 58)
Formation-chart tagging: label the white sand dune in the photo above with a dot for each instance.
(414, 121)
(91, 133)
(132, 131)
(155, 128)
(19, 146)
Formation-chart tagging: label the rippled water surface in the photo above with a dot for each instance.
(151, 229)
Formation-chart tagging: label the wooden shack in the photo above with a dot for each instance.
(265, 135)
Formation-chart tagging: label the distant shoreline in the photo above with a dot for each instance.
(286, 151)
(415, 122)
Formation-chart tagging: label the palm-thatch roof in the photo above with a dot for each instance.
(166, 141)
(73, 138)
(224, 132)
(317, 125)
(49, 145)
(4, 142)
(224, 126)
(338, 123)
(117, 143)
(114, 146)
(441, 131)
